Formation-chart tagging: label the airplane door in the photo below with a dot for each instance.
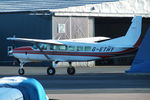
(9, 49)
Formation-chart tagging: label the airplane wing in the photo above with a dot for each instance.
(88, 40)
(85, 40)
(35, 40)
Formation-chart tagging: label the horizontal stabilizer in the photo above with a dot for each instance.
(141, 63)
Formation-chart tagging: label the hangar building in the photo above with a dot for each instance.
(52, 19)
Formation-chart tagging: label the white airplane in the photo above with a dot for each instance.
(77, 50)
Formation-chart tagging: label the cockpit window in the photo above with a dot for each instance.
(41, 46)
(34, 47)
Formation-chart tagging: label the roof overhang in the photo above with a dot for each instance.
(121, 8)
(86, 14)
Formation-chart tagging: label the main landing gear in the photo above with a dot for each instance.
(70, 70)
(50, 70)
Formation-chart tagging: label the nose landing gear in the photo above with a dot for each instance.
(50, 71)
(21, 71)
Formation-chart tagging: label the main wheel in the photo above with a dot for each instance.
(50, 71)
(21, 71)
(71, 70)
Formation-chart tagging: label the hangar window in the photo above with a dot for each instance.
(61, 28)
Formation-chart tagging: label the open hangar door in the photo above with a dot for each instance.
(22, 25)
(115, 27)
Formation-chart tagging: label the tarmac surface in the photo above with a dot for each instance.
(89, 83)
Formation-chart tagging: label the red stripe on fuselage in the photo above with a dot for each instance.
(61, 53)
(29, 50)
(23, 48)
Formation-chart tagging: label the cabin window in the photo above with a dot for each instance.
(49, 47)
(79, 48)
(71, 48)
(62, 47)
(87, 48)
(59, 47)
(56, 47)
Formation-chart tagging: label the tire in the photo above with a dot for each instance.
(71, 70)
(51, 71)
(21, 71)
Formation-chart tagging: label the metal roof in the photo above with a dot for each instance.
(33, 5)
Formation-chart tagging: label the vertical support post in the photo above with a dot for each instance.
(53, 27)
(70, 27)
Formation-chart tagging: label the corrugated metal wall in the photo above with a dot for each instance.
(22, 25)
(74, 27)
(71, 28)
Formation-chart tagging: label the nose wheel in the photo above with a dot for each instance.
(71, 70)
(51, 71)
(21, 71)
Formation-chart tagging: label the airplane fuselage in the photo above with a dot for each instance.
(73, 52)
